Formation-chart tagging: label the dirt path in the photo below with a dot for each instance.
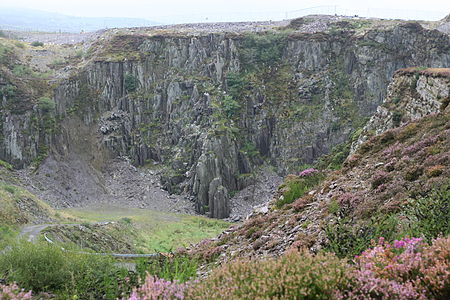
(32, 232)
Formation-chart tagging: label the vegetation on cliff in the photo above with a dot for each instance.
(206, 110)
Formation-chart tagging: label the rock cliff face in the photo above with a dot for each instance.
(412, 94)
(380, 180)
(209, 108)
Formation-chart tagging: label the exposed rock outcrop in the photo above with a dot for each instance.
(387, 174)
(211, 107)
(412, 94)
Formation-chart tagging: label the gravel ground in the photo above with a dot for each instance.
(259, 193)
(54, 38)
(74, 183)
(314, 23)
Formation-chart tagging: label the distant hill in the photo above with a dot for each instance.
(35, 20)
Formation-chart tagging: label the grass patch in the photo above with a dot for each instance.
(295, 187)
(181, 268)
(7, 235)
(43, 267)
(18, 206)
(157, 231)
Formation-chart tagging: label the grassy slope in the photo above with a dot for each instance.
(19, 207)
(155, 231)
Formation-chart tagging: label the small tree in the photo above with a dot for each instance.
(37, 44)
(46, 104)
(130, 83)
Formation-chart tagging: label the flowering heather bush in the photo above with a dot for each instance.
(352, 160)
(13, 292)
(420, 145)
(348, 201)
(302, 202)
(379, 178)
(405, 269)
(158, 289)
(308, 172)
(438, 159)
(392, 150)
(296, 275)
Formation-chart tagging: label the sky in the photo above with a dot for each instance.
(209, 10)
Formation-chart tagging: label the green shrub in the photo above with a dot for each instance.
(229, 106)
(44, 267)
(19, 44)
(37, 44)
(346, 238)
(10, 189)
(295, 187)
(5, 165)
(8, 91)
(6, 52)
(397, 118)
(413, 173)
(7, 235)
(22, 71)
(130, 82)
(181, 268)
(262, 49)
(237, 84)
(46, 104)
(295, 275)
(429, 217)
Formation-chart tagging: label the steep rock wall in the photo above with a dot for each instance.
(210, 108)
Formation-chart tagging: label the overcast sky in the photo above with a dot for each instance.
(203, 10)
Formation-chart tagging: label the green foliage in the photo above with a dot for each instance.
(249, 149)
(429, 217)
(126, 220)
(19, 45)
(7, 235)
(46, 105)
(181, 268)
(44, 267)
(229, 106)
(37, 44)
(397, 118)
(2, 34)
(346, 238)
(6, 52)
(22, 71)
(237, 84)
(226, 110)
(333, 207)
(262, 49)
(42, 154)
(295, 187)
(336, 158)
(295, 275)
(79, 53)
(130, 83)
(5, 165)
(9, 91)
